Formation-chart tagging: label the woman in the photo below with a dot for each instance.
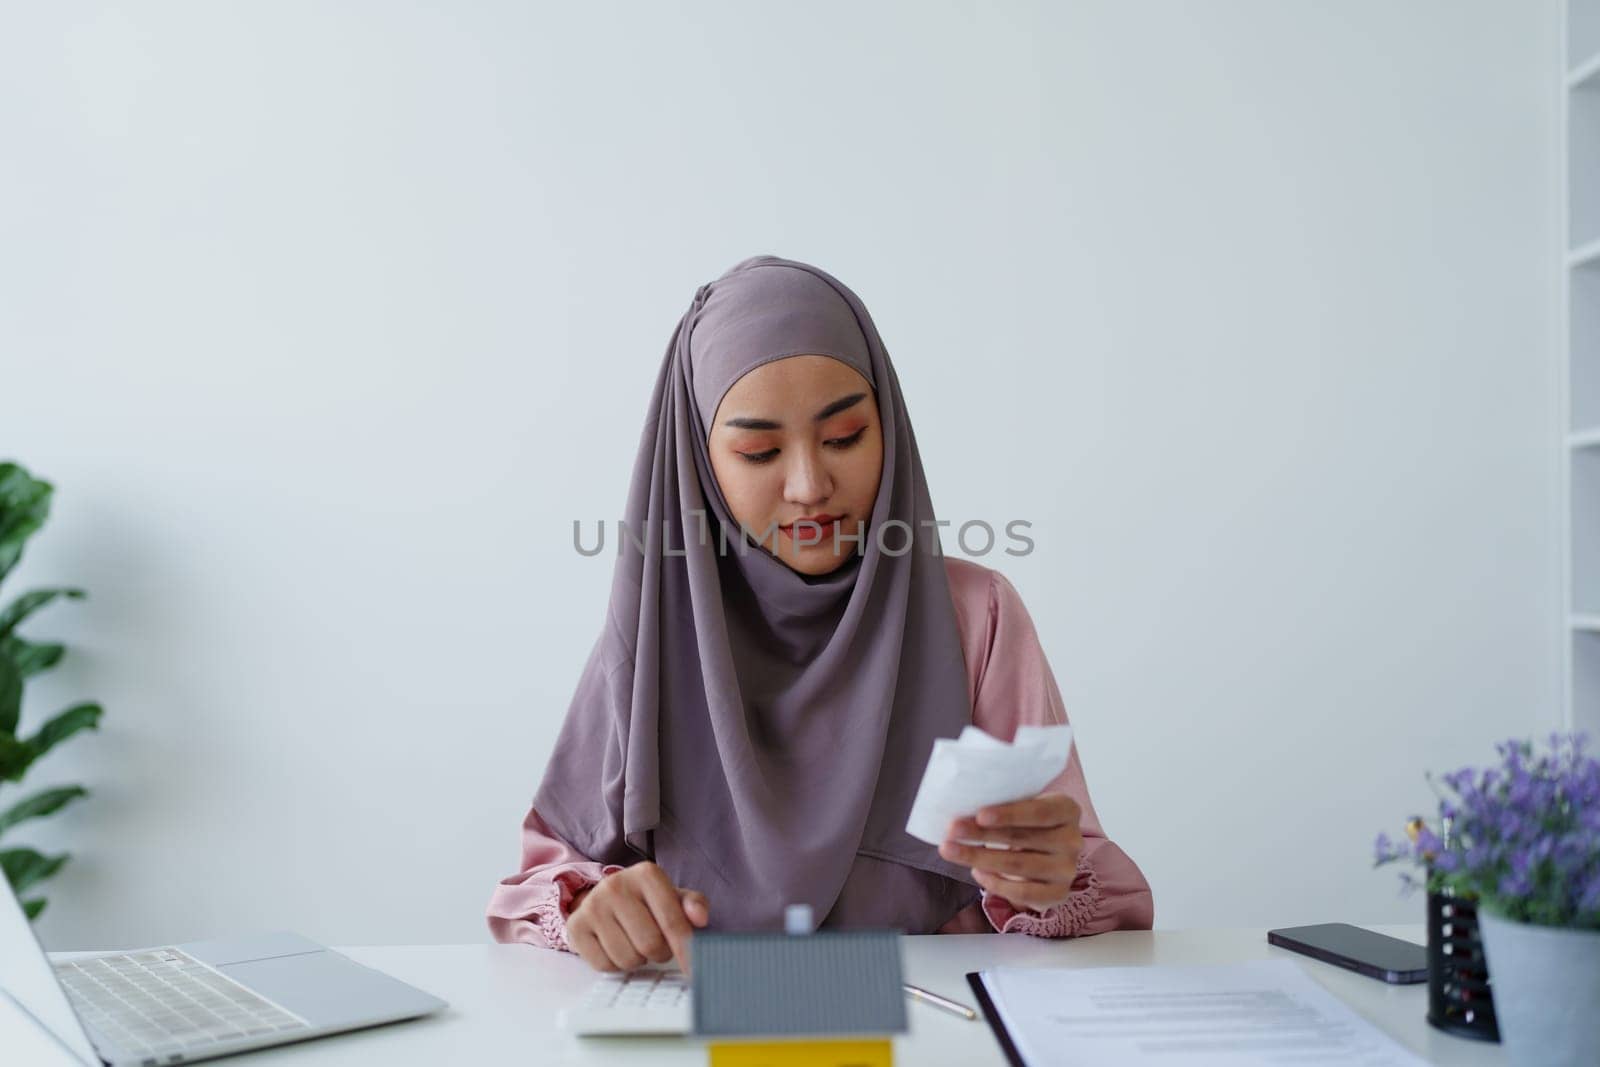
(785, 641)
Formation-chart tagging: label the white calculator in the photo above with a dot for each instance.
(651, 1000)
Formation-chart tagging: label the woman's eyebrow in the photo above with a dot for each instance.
(768, 424)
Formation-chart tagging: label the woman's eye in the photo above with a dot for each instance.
(832, 442)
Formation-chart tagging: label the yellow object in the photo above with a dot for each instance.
(877, 1052)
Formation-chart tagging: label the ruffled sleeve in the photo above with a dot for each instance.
(532, 905)
(1013, 686)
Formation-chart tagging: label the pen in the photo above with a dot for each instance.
(941, 1002)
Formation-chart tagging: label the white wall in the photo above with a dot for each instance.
(327, 320)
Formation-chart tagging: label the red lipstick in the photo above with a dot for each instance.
(820, 520)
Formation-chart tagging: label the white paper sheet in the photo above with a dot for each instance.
(976, 770)
(1199, 1015)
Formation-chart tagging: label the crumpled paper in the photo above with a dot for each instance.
(976, 770)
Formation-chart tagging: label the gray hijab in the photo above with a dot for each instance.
(756, 732)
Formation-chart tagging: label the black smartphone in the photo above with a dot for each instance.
(1364, 951)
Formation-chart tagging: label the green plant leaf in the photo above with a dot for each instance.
(39, 805)
(28, 603)
(32, 657)
(25, 866)
(15, 756)
(24, 505)
(32, 908)
(63, 725)
(10, 694)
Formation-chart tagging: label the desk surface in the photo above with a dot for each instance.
(503, 1000)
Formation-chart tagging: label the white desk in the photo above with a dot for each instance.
(503, 1000)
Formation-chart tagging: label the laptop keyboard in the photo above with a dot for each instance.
(164, 1001)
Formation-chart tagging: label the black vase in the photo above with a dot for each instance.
(1460, 1001)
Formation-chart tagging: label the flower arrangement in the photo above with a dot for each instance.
(1523, 838)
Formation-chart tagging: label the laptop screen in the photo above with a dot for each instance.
(27, 977)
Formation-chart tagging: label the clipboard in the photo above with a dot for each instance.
(996, 1024)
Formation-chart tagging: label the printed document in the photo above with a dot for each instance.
(1228, 1015)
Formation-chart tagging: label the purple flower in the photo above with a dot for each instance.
(1513, 885)
(1590, 899)
(1523, 835)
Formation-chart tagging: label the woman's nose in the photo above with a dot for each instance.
(808, 481)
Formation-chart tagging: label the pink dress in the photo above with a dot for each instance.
(1009, 685)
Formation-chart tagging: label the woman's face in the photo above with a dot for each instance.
(799, 438)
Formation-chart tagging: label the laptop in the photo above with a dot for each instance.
(189, 1002)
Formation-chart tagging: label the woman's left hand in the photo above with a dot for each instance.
(1041, 857)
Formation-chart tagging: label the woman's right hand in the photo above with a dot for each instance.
(633, 915)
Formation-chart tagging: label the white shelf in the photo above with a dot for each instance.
(1583, 33)
(1583, 335)
(1589, 70)
(1583, 483)
(1583, 165)
(1588, 255)
(1586, 682)
(1579, 370)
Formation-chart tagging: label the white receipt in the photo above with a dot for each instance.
(1198, 1015)
(976, 770)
